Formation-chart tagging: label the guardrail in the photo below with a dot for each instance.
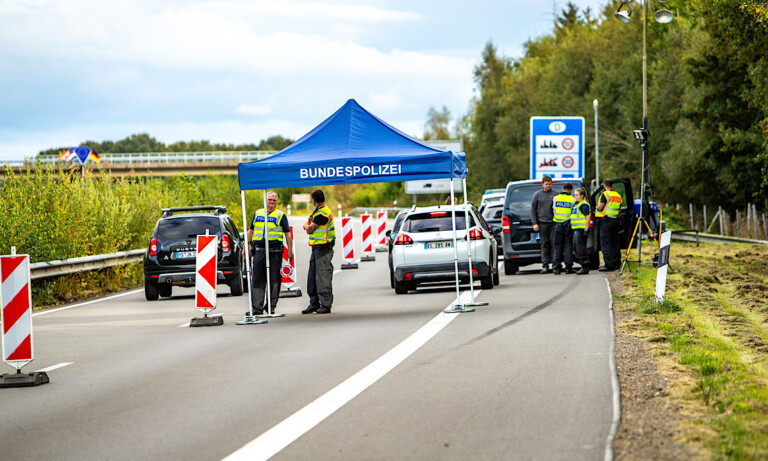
(158, 157)
(698, 237)
(47, 269)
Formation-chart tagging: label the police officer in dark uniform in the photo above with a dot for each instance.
(607, 211)
(276, 224)
(580, 220)
(563, 235)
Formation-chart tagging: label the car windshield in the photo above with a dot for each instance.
(178, 228)
(434, 221)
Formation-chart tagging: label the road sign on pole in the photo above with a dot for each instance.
(557, 147)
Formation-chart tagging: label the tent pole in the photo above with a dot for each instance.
(469, 250)
(266, 250)
(248, 319)
(457, 306)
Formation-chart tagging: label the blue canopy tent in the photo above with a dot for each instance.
(351, 146)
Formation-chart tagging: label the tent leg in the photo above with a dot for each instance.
(472, 301)
(457, 307)
(248, 319)
(269, 313)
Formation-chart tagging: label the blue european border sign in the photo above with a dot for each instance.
(557, 147)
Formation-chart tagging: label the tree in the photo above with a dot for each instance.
(437, 124)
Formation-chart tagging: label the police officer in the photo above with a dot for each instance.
(563, 235)
(322, 238)
(276, 224)
(607, 212)
(580, 218)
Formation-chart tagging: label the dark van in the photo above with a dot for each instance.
(522, 245)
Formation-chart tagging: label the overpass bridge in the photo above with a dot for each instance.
(152, 163)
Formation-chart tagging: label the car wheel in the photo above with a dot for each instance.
(401, 288)
(391, 279)
(236, 285)
(510, 268)
(165, 290)
(151, 291)
(486, 283)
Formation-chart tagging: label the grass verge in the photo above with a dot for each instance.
(711, 334)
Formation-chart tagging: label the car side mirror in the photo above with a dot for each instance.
(387, 233)
(496, 230)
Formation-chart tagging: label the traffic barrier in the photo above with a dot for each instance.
(663, 266)
(16, 300)
(205, 281)
(348, 243)
(367, 237)
(381, 227)
(288, 271)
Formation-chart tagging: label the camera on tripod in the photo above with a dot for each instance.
(642, 136)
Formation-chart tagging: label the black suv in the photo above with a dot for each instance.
(170, 257)
(521, 243)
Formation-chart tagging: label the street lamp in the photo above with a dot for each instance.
(662, 16)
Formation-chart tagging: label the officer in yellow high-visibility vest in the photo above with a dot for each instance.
(563, 235)
(607, 212)
(322, 238)
(580, 220)
(276, 223)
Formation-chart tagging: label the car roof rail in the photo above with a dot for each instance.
(217, 209)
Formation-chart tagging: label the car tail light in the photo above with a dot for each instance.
(153, 247)
(403, 239)
(475, 234)
(505, 224)
(474, 271)
(225, 243)
(437, 214)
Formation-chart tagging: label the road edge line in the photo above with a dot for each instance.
(614, 380)
(93, 301)
(274, 440)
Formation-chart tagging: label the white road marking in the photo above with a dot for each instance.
(614, 381)
(50, 311)
(53, 367)
(290, 429)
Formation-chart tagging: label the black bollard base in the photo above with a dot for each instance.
(291, 293)
(24, 379)
(349, 266)
(206, 321)
(368, 258)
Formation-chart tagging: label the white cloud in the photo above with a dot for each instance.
(248, 109)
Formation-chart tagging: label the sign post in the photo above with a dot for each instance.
(288, 271)
(205, 281)
(16, 303)
(557, 147)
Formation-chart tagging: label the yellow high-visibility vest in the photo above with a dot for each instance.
(325, 233)
(578, 220)
(274, 231)
(563, 204)
(612, 206)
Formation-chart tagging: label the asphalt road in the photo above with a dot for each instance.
(526, 377)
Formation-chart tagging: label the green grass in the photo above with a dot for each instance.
(714, 322)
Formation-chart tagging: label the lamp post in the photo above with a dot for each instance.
(661, 16)
(597, 149)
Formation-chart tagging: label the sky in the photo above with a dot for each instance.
(239, 71)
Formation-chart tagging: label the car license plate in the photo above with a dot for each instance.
(185, 254)
(434, 245)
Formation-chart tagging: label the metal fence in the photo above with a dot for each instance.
(159, 157)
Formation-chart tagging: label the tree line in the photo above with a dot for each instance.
(707, 100)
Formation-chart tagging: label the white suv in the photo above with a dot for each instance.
(423, 249)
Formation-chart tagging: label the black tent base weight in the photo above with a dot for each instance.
(23, 379)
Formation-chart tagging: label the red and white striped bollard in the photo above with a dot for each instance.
(348, 243)
(366, 223)
(206, 266)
